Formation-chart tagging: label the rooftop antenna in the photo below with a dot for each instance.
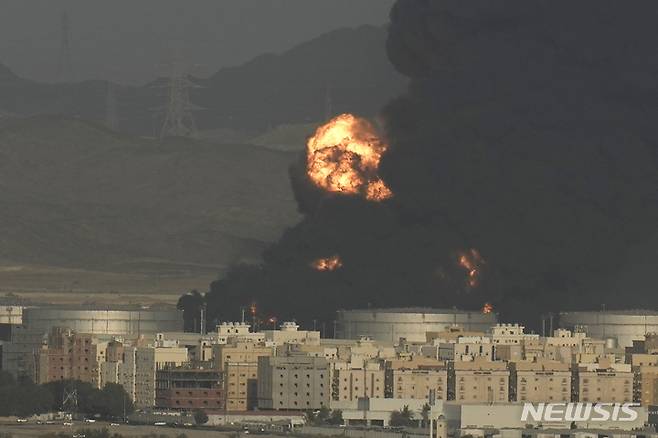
(178, 121)
(65, 65)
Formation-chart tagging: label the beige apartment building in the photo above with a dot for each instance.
(467, 348)
(349, 383)
(239, 361)
(645, 374)
(293, 382)
(416, 378)
(510, 334)
(147, 360)
(289, 333)
(605, 382)
(541, 381)
(70, 355)
(240, 351)
(481, 381)
(241, 386)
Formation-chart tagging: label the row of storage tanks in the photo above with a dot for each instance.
(118, 320)
(621, 326)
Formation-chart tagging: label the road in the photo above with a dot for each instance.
(33, 430)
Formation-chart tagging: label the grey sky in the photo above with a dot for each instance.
(129, 40)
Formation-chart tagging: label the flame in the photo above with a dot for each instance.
(343, 157)
(327, 264)
(487, 308)
(472, 262)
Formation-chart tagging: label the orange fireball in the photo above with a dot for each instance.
(472, 262)
(327, 264)
(343, 157)
(487, 308)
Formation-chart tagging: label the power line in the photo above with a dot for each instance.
(178, 120)
(65, 63)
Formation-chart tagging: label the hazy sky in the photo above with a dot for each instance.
(130, 40)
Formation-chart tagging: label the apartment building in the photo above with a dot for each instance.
(189, 386)
(350, 382)
(289, 333)
(645, 378)
(510, 334)
(293, 382)
(241, 385)
(147, 360)
(481, 381)
(417, 379)
(541, 380)
(239, 351)
(467, 348)
(604, 381)
(71, 356)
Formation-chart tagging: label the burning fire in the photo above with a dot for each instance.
(343, 157)
(472, 262)
(327, 264)
(487, 308)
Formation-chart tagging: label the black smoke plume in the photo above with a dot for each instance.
(529, 132)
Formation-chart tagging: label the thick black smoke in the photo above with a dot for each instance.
(529, 132)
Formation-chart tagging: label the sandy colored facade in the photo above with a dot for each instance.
(71, 356)
(605, 382)
(541, 381)
(147, 361)
(293, 382)
(241, 386)
(481, 381)
(238, 352)
(350, 383)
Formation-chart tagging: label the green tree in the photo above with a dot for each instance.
(200, 416)
(115, 401)
(322, 416)
(336, 417)
(425, 414)
(402, 418)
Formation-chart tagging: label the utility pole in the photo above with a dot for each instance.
(65, 65)
(178, 121)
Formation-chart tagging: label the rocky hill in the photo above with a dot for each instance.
(74, 194)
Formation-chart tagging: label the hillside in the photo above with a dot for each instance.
(349, 65)
(75, 195)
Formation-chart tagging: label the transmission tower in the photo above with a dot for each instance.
(111, 120)
(65, 64)
(178, 120)
(70, 400)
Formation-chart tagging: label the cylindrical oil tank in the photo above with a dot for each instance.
(11, 314)
(112, 321)
(389, 325)
(624, 326)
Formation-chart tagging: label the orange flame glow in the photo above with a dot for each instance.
(472, 262)
(327, 264)
(487, 308)
(343, 157)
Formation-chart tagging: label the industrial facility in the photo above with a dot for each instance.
(409, 323)
(111, 320)
(620, 326)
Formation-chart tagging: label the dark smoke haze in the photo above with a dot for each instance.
(528, 132)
